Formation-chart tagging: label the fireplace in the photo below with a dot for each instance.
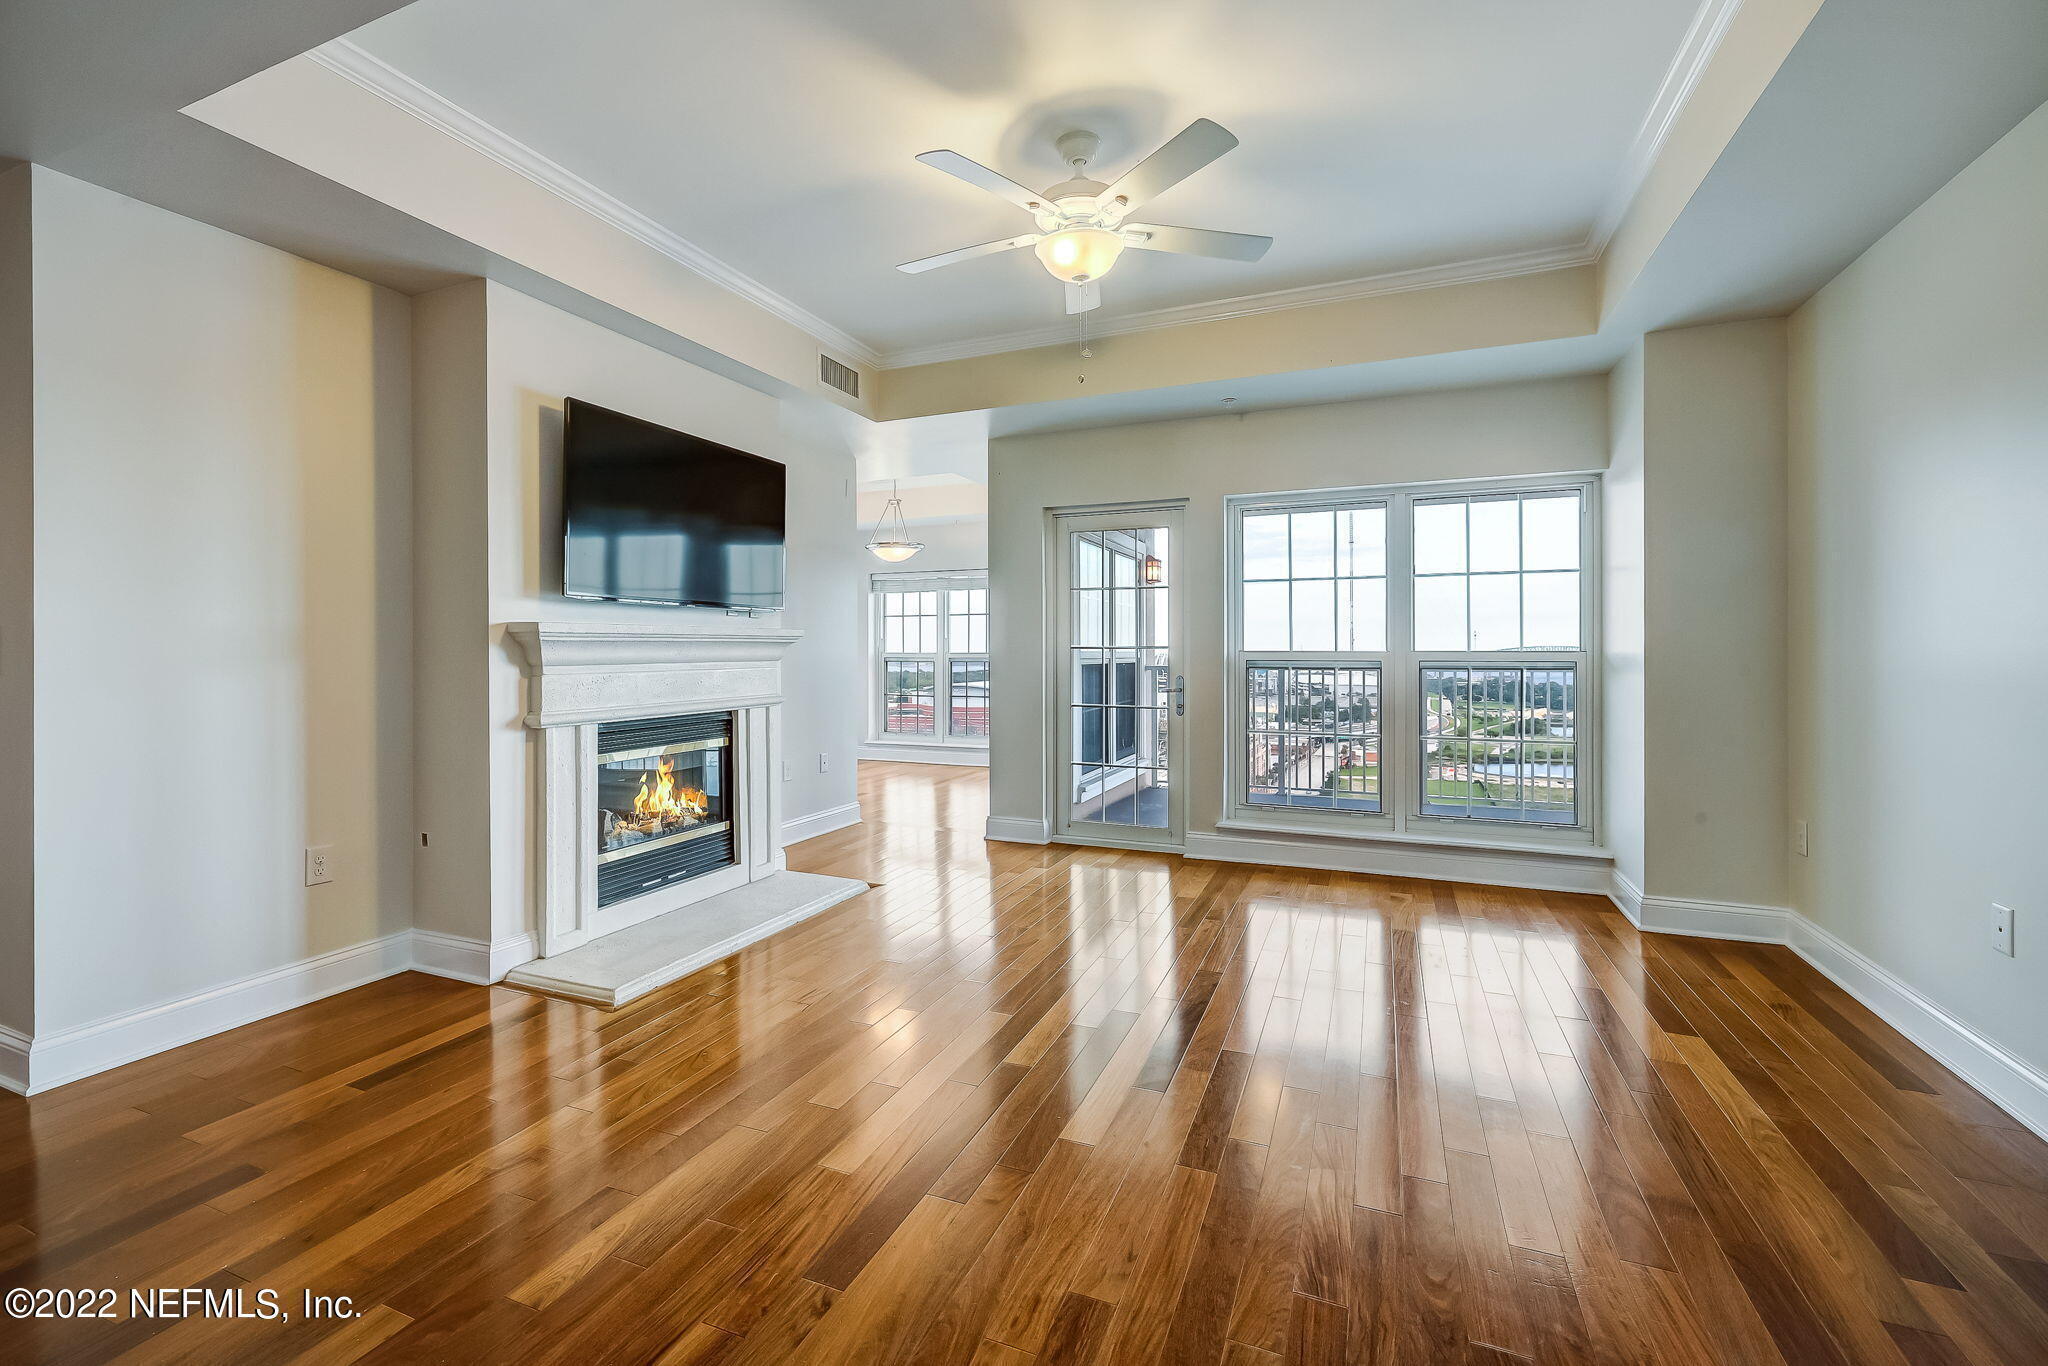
(665, 808)
(708, 701)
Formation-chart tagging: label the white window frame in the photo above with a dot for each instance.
(941, 660)
(1400, 817)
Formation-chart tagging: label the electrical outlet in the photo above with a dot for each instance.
(319, 864)
(824, 762)
(2001, 928)
(1799, 838)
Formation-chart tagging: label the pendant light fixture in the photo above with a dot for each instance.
(893, 543)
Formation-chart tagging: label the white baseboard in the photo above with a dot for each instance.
(818, 823)
(924, 754)
(1543, 873)
(2014, 1085)
(1702, 919)
(13, 1061)
(1016, 830)
(471, 960)
(451, 955)
(1628, 897)
(510, 953)
(58, 1056)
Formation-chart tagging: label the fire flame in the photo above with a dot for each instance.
(666, 798)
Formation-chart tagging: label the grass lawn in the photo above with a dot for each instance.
(1354, 778)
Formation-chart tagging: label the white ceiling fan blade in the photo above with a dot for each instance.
(974, 173)
(1083, 298)
(1228, 246)
(947, 258)
(1187, 152)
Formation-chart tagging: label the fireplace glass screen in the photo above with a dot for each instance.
(664, 802)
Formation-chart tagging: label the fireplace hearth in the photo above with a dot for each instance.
(664, 811)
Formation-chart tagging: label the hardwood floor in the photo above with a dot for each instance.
(1050, 1105)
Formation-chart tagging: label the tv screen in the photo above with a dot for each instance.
(654, 515)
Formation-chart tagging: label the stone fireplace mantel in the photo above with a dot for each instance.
(580, 675)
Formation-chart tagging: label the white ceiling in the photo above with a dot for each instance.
(778, 136)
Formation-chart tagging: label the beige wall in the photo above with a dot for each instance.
(1545, 427)
(17, 612)
(222, 652)
(1490, 313)
(1713, 651)
(1918, 597)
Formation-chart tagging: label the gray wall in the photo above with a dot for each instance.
(959, 544)
(1622, 627)
(1544, 427)
(494, 367)
(17, 610)
(1714, 769)
(1918, 594)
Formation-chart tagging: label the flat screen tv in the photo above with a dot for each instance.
(655, 515)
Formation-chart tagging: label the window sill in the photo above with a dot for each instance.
(1560, 848)
(917, 742)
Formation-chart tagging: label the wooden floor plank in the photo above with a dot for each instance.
(1021, 1105)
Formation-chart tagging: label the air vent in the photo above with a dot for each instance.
(844, 378)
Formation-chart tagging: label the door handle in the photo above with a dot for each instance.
(1180, 694)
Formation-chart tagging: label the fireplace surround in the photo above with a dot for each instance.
(709, 704)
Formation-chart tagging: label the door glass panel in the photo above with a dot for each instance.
(1119, 680)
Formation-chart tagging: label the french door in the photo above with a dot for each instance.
(1121, 697)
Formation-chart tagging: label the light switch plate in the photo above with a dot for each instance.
(1799, 838)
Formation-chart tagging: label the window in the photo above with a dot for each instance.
(1316, 580)
(908, 693)
(910, 623)
(1500, 744)
(1497, 572)
(969, 708)
(1415, 660)
(967, 621)
(1313, 737)
(932, 638)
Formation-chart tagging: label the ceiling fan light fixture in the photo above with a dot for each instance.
(1080, 221)
(1079, 255)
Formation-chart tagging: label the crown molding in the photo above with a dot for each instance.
(1709, 26)
(394, 87)
(1246, 305)
(1702, 40)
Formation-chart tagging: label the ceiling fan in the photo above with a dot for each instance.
(1081, 222)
